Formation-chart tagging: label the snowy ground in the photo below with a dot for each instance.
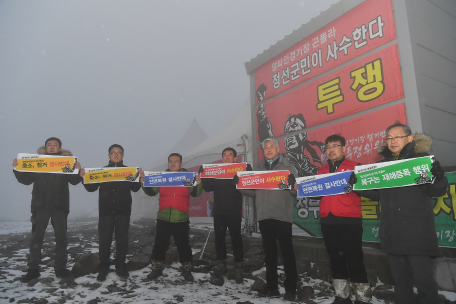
(136, 289)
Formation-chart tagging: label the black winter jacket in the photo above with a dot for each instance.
(50, 190)
(114, 197)
(227, 199)
(407, 225)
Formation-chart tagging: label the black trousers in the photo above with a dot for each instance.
(40, 221)
(233, 223)
(344, 246)
(274, 231)
(407, 269)
(107, 224)
(179, 231)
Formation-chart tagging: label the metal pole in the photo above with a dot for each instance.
(202, 251)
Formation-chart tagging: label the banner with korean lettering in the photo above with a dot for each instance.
(270, 180)
(323, 184)
(170, 179)
(46, 163)
(400, 173)
(306, 216)
(222, 171)
(116, 174)
(358, 31)
(366, 83)
(363, 134)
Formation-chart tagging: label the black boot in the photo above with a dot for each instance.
(30, 275)
(187, 271)
(157, 270)
(220, 268)
(62, 273)
(238, 273)
(217, 280)
(122, 271)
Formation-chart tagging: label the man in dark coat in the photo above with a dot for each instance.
(407, 227)
(227, 213)
(50, 200)
(114, 207)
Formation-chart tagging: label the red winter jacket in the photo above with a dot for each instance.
(343, 205)
(176, 197)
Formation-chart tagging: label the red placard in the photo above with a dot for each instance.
(358, 31)
(270, 180)
(222, 171)
(366, 83)
(363, 135)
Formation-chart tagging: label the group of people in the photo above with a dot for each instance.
(407, 228)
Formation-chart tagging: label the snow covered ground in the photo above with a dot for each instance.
(136, 289)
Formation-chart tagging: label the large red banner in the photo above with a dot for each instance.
(363, 134)
(358, 31)
(366, 83)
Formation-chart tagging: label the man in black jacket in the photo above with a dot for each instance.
(114, 207)
(50, 200)
(407, 227)
(227, 213)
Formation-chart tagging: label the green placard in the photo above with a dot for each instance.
(306, 215)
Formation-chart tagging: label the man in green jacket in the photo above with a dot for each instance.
(173, 220)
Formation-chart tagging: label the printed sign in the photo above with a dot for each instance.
(170, 179)
(103, 175)
(358, 31)
(222, 171)
(46, 163)
(400, 173)
(306, 216)
(271, 180)
(366, 83)
(363, 135)
(323, 184)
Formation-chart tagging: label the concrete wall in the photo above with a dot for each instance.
(432, 25)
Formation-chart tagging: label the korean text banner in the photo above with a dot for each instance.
(271, 180)
(400, 173)
(366, 83)
(103, 175)
(306, 216)
(46, 163)
(222, 171)
(358, 31)
(323, 184)
(363, 134)
(170, 179)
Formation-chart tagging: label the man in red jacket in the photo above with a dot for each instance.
(342, 230)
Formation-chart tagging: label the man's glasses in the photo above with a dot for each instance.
(332, 147)
(116, 153)
(396, 138)
(173, 161)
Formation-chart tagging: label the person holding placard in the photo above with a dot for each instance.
(114, 208)
(342, 230)
(50, 200)
(274, 212)
(407, 225)
(227, 213)
(173, 220)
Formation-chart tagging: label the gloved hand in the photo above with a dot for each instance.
(351, 182)
(437, 171)
(291, 180)
(235, 180)
(248, 168)
(201, 169)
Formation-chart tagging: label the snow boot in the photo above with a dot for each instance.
(239, 272)
(30, 275)
(62, 273)
(122, 271)
(102, 274)
(157, 270)
(289, 296)
(217, 280)
(220, 268)
(187, 271)
(342, 290)
(270, 293)
(363, 293)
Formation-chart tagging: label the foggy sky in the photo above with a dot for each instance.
(137, 73)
